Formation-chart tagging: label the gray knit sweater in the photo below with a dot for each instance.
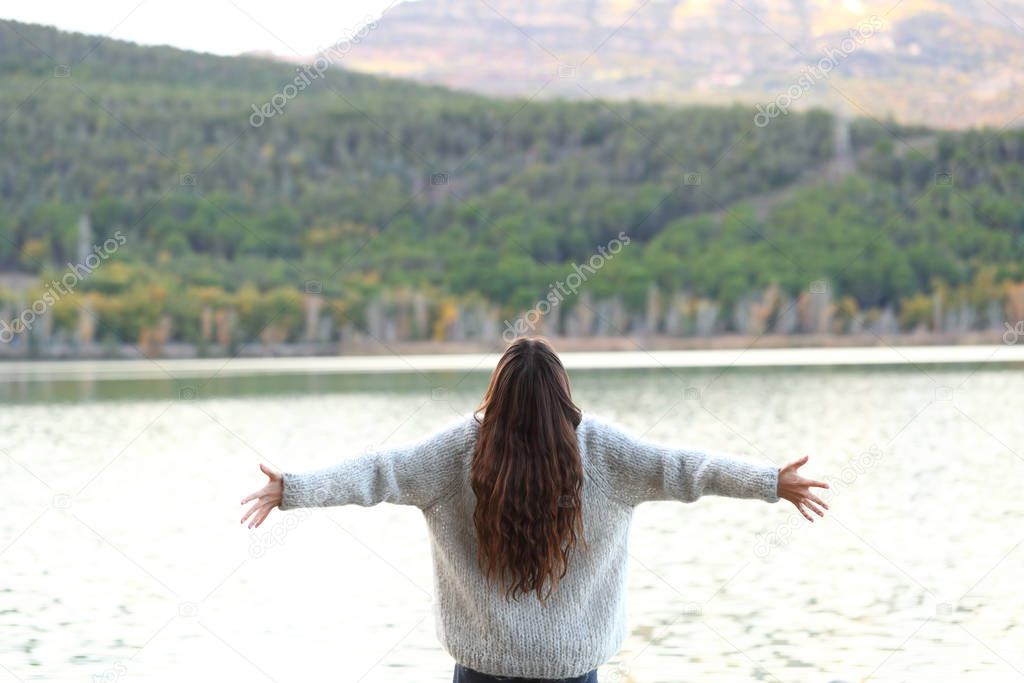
(583, 623)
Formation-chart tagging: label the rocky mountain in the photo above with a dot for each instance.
(946, 63)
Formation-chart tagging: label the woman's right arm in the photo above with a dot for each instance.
(415, 474)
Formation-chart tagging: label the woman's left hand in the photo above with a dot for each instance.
(797, 490)
(267, 498)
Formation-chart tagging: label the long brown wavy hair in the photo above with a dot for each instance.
(526, 472)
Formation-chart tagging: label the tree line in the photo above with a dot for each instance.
(383, 207)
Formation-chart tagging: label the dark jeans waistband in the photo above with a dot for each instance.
(466, 675)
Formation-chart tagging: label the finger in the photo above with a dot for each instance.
(806, 516)
(797, 464)
(252, 510)
(266, 513)
(248, 513)
(254, 514)
(817, 500)
(818, 484)
(254, 495)
(270, 472)
(262, 493)
(258, 519)
(813, 508)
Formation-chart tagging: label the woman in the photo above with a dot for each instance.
(528, 504)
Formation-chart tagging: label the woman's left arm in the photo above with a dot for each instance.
(797, 490)
(415, 474)
(637, 470)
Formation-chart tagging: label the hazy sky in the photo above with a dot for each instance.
(224, 27)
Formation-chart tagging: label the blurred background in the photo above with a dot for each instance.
(766, 229)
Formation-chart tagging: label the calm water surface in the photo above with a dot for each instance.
(121, 556)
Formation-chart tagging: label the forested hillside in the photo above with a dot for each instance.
(250, 209)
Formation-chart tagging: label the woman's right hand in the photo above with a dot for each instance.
(267, 498)
(797, 490)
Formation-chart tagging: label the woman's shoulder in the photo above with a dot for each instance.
(600, 434)
(598, 425)
(459, 430)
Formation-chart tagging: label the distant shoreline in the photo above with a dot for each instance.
(483, 361)
(367, 346)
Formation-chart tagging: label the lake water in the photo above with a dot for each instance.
(121, 556)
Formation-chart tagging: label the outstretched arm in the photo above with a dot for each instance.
(417, 474)
(636, 471)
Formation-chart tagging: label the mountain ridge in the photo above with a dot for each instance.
(942, 63)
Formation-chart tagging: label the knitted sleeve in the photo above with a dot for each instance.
(416, 474)
(634, 470)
